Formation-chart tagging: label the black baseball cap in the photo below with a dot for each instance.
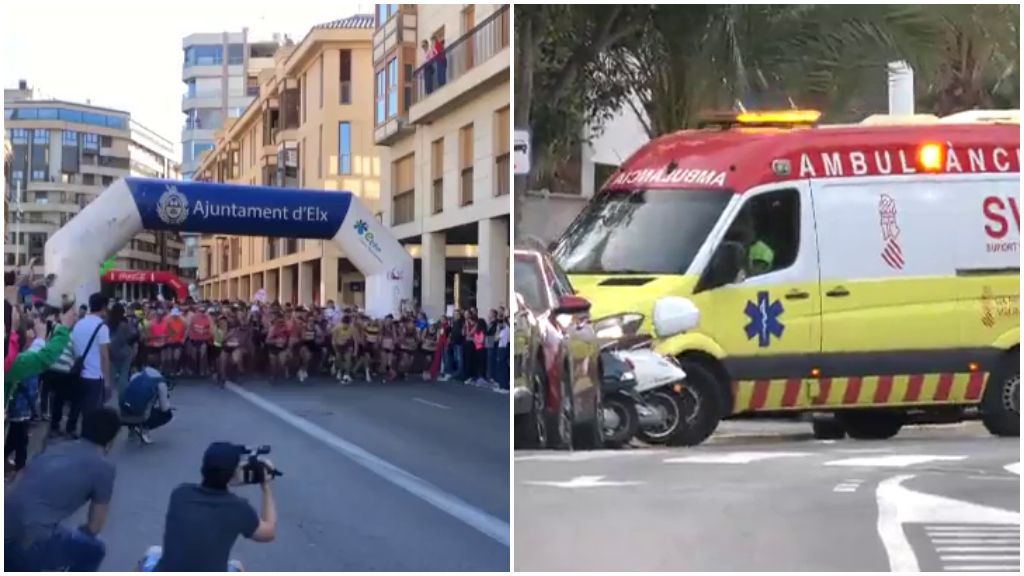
(223, 456)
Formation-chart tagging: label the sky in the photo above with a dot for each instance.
(127, 55)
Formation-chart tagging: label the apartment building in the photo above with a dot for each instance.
(221, 75)
(311, 126)
(442, 122)
(64, 155)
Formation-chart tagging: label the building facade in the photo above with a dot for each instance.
(442, 121)
(311, 126)
(221, 75)
(64, 155)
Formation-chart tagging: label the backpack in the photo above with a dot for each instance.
(140, 392)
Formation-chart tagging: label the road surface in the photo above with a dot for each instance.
(931, 499)
(377, 477)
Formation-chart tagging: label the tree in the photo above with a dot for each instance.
(557, 87)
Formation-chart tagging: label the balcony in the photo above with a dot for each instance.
(400, 29)
(476, 61)
(189, 133)
(200, 101)
(390, 131)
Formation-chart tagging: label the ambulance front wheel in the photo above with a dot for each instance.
(1000, 406)
(699, 404)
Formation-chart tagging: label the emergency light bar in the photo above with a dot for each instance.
(766, 118)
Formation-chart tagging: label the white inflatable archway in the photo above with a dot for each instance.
(75, 253)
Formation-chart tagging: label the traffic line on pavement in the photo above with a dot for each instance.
(847, 486)
(429, 403)
(584, 482)
(733, 457)
(1014, 468)
(984, 568)
(978, 549)
(894, 460)
(584, 456)
(490, 526)
(940, 516)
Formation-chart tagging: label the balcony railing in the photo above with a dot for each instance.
(471, 49)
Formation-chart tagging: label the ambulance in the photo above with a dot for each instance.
(866, 273)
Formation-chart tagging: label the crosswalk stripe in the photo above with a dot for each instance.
(894, 460)
(977, 557)
(983, 568)
(986, 527)
(976, 541)
(971, 534)
(978, 549)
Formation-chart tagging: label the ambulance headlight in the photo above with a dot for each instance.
(675, 315)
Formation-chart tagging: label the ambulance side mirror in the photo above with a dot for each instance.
(725, 265)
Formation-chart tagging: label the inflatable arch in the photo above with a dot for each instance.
(75, 253)
(146, 277)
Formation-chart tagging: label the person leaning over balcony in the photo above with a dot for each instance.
(440, 63)
(428, 67)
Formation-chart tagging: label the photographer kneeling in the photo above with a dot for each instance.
(203, 521)
(145, 403)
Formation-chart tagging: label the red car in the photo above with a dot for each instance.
(557, 397)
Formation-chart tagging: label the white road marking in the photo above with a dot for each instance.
(999, 540)
(961, 527)
(978, 549)
(459, 509)
(898, 505)
(585, 456)
(983, 568)
(1015, 468)
(429, 403)
(978, 558)
(584, 482)
(894, 460)
(733, 457)
(848, 486)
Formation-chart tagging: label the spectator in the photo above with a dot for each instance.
(91, 340)
(122, 345)
(53, 486)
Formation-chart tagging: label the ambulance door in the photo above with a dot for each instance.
(888, 283)
(766, 318)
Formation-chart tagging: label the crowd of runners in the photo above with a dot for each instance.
(230, 340)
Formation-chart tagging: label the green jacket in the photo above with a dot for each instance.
(29, 364)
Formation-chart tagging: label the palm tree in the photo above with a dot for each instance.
(831, 57)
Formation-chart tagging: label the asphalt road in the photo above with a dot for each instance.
(931, 499)
(377, 477)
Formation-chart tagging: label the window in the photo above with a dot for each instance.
(403, 201)
(344, 148)
(106, 141)
(39, 175)
(19, 136)
(321, 81)
(320, 152)
(48, 114)
(392, 87)
(236, 54)
(437, 175)
(381, 95)
(502, 164)
(69, 138)
(208, 55)
(17, 175)
(640, 232)
(767, 230)
(89, 179)
(40, 137)
(407, 88)
(345, 76)
(302, 173)
(90, 141)
(304, 93)
(468, 22)
(108, 180)
(466, 165)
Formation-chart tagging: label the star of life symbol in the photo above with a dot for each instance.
(764, 319)
(172, 207)
(892, 252)
(362, 227)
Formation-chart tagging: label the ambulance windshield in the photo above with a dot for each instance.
(640, 232)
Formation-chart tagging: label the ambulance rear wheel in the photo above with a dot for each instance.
(1000, 406)
(828, 428)
(872, 425)
(699, 404)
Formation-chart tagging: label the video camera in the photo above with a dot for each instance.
(255, 469)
